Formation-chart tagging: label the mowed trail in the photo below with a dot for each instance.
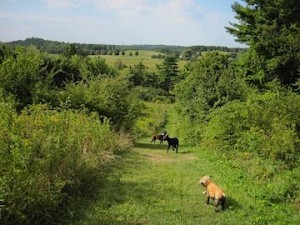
(153, 187)
(162, 188)
(159, 188)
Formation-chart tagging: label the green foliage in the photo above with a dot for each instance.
(265, 124)
(150, 94)
(55, 47)
(108, 97)
(19, 73)
(168, 71)
(45, 157)
(95, 67)
(147, 85)
(137, 74)
(272, 29)
(153, 121)
(210, 82)
(31, 77)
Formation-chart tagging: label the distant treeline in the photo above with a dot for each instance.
(56, 47)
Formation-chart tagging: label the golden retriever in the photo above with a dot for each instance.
(213, 191)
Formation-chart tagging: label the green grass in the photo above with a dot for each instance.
(144, 57)
(162, 188)
(153, 187)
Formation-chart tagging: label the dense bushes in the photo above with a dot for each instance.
(31, 77)
(108, 97)
(45, 156)
(231, 111)
(221, 110)
(265, 124)
(59, 119)
(19, 72)
(153, 121)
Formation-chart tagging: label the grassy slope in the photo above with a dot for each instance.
(157, 187)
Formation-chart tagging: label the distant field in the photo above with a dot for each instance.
(144, 57)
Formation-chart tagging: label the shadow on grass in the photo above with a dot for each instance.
(99, 197)
(164, 146)
(151, 146)
(109, 203)
(232, 204)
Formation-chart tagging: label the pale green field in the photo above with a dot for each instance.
(144, 57)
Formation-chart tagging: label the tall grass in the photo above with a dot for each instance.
(47, 156)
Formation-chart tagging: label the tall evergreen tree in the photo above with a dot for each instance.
(272, 30)
(168, 72)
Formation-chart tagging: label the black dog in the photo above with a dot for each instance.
(172, 141)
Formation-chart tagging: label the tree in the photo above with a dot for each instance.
(137, 73)
(272, 30)
(168, 72)
(70, 50)
(210, 82)
(19, 73)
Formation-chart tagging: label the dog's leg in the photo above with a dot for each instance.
(207, 200)
(223, 202)
(216, 201)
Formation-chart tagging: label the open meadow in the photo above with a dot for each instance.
(130, 59)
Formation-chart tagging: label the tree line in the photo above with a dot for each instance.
(56, 47)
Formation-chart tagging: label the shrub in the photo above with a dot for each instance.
(108, 97)
(153, 121)
(19, 73)
(45, 157)
(266, 124)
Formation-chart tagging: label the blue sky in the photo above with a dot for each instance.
(169, 22)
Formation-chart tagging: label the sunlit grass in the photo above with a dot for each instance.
(154, 187)
(157, 187)
(144, 56)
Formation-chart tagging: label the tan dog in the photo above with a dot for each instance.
(213, 191)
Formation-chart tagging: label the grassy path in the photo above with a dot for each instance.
(154, 187)
(157, 187)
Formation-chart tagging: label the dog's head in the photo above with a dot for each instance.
(204, 181)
